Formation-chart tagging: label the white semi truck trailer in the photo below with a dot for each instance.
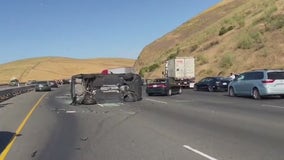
(182, 69)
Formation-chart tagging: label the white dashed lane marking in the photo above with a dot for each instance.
(272, 106)
(157, 101)
(199, 152)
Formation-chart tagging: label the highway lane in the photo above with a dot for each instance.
(193, 125)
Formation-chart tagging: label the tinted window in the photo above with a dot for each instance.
(241, 77)
(210, 79)
(275, 75)
(160, 80)
(258, 75)
(247, 76)
(205, 80)
(253, 75)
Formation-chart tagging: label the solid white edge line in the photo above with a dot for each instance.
(273, 106)
(101, 105)
(199, 152)
(153, 100)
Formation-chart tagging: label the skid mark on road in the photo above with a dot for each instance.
(157, 101)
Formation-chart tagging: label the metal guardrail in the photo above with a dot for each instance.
(12, 92)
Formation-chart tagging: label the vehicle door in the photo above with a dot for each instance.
(203, 83)
(252, 79)
(277, 81)
(239, 84)
(173, 85)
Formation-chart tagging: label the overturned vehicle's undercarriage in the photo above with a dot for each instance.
(99, 88)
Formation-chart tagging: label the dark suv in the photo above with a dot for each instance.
(163, 86)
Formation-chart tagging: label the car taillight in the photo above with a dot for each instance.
(162, 86)
(268, 81)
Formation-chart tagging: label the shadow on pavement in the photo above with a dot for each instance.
(5, 138)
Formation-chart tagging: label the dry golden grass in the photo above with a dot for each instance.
(248, 18)
(49, 68)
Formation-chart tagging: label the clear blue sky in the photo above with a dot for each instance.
(88, 28)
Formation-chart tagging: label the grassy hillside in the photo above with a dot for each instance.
(233, 36)
(48, 68)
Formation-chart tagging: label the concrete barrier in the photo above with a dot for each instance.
(12, 92)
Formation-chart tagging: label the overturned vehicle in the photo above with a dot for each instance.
(100, 88)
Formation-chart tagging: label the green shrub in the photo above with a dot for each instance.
(240, 20)
(226, 61)
(201, 60)
(193, 48)
(245, 42)
(224, 30)
(172, 56)
(153, 67)
(143, 71)
(250, 39)
(269, 11)
(276, 22)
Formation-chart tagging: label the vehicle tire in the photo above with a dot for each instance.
(232, 92)
(130, 97)
(210, 89)
(89, 99)
(150, 94)
(255, 94)
(169, 93)
(135, 85)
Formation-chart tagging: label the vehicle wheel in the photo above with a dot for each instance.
(255, 94)
(149, 94)
(195, 88)
(210, 89)
(89, 99)
(169, 92)
(130, 97)
(231, 92)
(179, 91)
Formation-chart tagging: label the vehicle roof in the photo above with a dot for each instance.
(94, 75)
(218, 77)
(42, 81)
(268, 70)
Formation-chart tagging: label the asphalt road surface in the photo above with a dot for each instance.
(191, 126)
